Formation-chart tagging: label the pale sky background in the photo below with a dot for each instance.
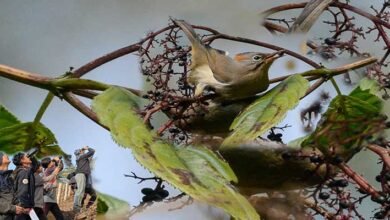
(49, 36)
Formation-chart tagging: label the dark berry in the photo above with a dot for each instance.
(362, 191)
(147, 191)
(344, 204)
(174, 130)
(150, 198)
(378, 199)
(342, 183)
(145, 96)
(337, 160)
(324, 195)
(387, 176)
(380, 215)
(330, 41)
(378, 178)
(316, 159)
(387, 124)
(182, 137)
(163, 193)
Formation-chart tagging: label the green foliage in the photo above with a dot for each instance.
(195, 170)
(112, 207)
(267, 111)
(347, 118)
(16, 136)
(7, 118)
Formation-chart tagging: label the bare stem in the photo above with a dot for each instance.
(321, 72)
(364, 185)
(382, 152)
(81, 107)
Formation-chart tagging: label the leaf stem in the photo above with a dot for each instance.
(334, 83)
(43, 108)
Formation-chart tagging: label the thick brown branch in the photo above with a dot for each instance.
(22, 76)
(105, 59)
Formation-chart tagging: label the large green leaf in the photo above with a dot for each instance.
(266, 111)
(16, 136)
(195, 170)
(347, 117)
(7, 118)
(111, 207)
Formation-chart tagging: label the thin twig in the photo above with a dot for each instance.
(81, 107)
(359, 180)
(382, 152)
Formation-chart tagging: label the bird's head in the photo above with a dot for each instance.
(256, 60)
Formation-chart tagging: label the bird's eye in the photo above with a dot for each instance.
(256, 58)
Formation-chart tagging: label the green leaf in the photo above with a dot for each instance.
(195, 170)
(16, 136)
(112, 207)
(7, 118)
(266, 111)
(361, 109)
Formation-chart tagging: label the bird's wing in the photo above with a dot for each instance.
(224, 68)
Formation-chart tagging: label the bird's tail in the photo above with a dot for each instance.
(189, 32)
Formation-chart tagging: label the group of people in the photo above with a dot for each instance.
(29, 191)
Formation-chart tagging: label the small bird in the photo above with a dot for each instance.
(231, 79)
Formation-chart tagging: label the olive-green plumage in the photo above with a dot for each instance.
(240, 77)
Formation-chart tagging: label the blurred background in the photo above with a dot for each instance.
(50, 36)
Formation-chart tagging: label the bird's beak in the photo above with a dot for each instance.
(273, 56)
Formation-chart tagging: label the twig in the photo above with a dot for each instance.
(321, 72)
(318, 209)
(165, 127)
(142, 179)
(382, 152)
(81, 107)
(286, 7)
(359, 180)
(150, 112)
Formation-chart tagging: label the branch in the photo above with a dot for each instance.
(382, 152)
(105, 59)
(55, 84)
(24, 77)
(321, 72)
(359, 180)
(334, 4)
(81, 107)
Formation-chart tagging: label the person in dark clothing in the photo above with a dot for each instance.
(7, 209)
(83, 174)
(24, 184)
